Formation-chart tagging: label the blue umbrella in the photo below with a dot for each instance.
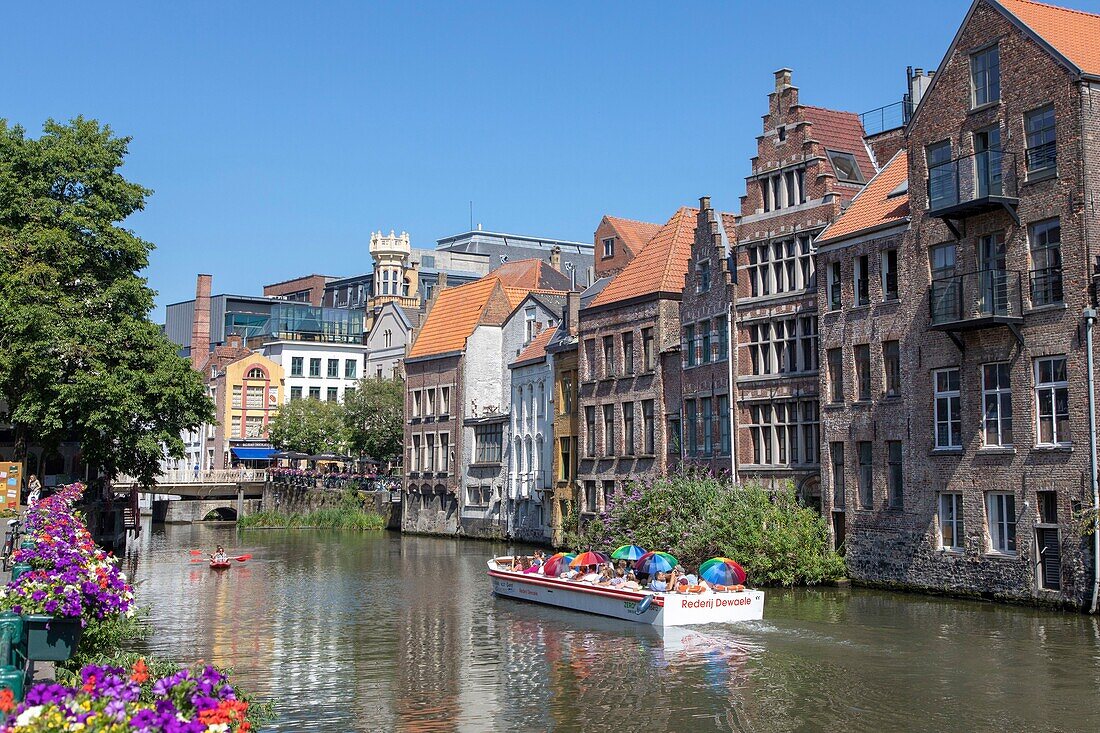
(655, 562)
(627, 552)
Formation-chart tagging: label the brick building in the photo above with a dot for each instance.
(624, 417)
(306, 289)
(618, 241)
(810, 162)
(565, 430)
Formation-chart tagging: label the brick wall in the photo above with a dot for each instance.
(430, 503)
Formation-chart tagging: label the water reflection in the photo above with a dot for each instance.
(353, 632)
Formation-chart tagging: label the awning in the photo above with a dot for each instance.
(253, 454)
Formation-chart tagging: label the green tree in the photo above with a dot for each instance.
(375, 417)
(79, 358)
(309, 426)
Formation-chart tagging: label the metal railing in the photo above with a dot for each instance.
(1041, 157)
(974, 296)
(215, 476)
(890, 117)
(1046, 286)
(972, 178)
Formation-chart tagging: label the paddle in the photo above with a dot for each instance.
(196, 552)
(242, 558)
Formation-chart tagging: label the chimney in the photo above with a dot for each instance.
(200, 322)
(441, 281)
(782, 79)
(555, 258)
(918, 84)
(234, 341)
(572, 312)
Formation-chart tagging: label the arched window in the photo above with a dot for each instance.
(256, 373)
(387, 336)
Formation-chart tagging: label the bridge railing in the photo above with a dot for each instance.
(215, 476)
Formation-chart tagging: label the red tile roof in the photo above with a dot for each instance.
(634, 234)
(454, 316)
(537, 348)
(660, 267)
(840, 131)
(1074, 33)
(873, 207)
(531, 274)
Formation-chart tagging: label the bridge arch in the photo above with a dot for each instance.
(221, 514)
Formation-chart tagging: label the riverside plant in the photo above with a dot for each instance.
(112, 699)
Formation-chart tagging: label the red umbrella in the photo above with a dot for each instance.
(589, 558)
(556, 563)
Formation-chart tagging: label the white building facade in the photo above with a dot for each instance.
(316, 369)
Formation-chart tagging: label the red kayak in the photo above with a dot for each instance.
(219, 565)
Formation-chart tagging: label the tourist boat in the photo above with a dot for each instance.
(645, 607)
(219, 565)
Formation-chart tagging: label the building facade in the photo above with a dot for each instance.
(564, 429)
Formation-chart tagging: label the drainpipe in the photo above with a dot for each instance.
(732, 400)
(1090, 321)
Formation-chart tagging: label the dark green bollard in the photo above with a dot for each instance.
(19, 569)
(14, 680)
(12, 636)
(27, 545)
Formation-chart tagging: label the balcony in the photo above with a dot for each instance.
(973, 184)
(883, 119)
(976, 300)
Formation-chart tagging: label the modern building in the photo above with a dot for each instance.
(306, 289)
(501, 248)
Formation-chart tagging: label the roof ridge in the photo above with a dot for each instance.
(633, 221)
(681, 217)
(1058, 7)
(830, 109)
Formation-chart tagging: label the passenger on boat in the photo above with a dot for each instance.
(520, 564)
(219, 555)
(618, 578)
(592, 575)
(569, 573)
(631, 582)
(539, 558)
(659, 583)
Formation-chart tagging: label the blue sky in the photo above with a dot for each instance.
(277, 135)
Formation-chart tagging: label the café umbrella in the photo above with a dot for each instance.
(556, 563)
(722, 571)
(588, 558)
(627, 552)
(655, 562)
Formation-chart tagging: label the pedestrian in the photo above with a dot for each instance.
(34, 490)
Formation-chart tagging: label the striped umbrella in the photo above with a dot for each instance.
(589, 558)
(556, 563)
(722, 571)
(655, 562)
(627, 552)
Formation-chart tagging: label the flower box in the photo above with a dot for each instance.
(20, 568)
(51, 639)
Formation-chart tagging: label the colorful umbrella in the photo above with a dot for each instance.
(627, 552)
(556, 563)
(722, 571)
(589, 558)
(655, 562)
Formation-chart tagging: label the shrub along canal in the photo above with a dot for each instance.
(365, 631)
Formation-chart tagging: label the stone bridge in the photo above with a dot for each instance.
(234, 482)
(185, 511)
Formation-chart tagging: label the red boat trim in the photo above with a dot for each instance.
(567, 585)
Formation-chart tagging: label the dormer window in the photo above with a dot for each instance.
(609, 247)
(847, 170)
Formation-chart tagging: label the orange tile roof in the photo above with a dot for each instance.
(635, 234)
(530, 273)
(453, 317)
(516, 295)
(873, 206)
(1074, 33)
(537, 348)
(660, 267)
(840, 131)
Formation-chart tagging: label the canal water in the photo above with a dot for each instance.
(380, 632)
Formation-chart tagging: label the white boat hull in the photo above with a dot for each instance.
(665, 609)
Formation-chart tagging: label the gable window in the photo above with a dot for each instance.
(997, 404)
(834, 286)
(1041, 147)
(890, 274)
(530, 326)
(985, 76)
(836, 375)
(866, 475)
(1045, 238)
(296, 363)
(1001, 516)
(1052, 398)
(256, 373)
(948, 424)
(847, 170)
(861, 281)
(941, 175)
(781, 132)
(951, 522)
(702, 276)
(891, 364)
(609, 247)
(863, 371)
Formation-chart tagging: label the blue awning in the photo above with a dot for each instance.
(253, 454)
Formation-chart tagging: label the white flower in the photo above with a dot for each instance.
(28, 715)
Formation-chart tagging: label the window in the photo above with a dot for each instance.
(254, 397)
(1048, 506)
(608, 488)
(256, 373)
(333, 368)
(444, 400)
(866, 473)
(781, 131)
(564, 462)
(1052, 398)
(649, 353)
(780, 266)
(628, 428)
(315, 393)
(608, 356)
(985, 76)
(891, 364)
(692, 428)
(834, 286)
(378, 374)
(894, 495)
(648, 437)
(860, 280)
(628, 352)
(609, 247)
(237, 392)
(295, 393)
(847, 170)
(296, 364)
(707, 406)
(530, 324)
(590, 431)
(784, 433)
(1001, 515)
(590, 496)
(487, 443)
(350, 368)
(1041, 152)
(996, 404)
(890, 274)
(704, 343)
(1045, 238)
(236, 425)
(254, 426)
(332, 394)
(478, 495)
(724, 424)
(836, 457)
(565, 387)
(674, 435)
(414, 403)
(836, 375)
(590, 358)
(863, 371)
(429, 452)
(702, 276)
(689, 344)
(609, 430)
(948, 423)
(941, 176)
(721, 330)
(951, 522)
(444, 452)
(314, 367)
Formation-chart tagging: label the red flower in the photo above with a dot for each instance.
(7, 700)
(140, 671)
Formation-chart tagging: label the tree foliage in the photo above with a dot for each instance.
(79, 359)
(695, 517)
(375, 418)
(309, 426)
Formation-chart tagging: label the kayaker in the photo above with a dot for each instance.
(219, 556)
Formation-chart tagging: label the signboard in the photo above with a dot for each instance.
(11, 479)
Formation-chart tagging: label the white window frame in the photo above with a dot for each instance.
(1001, 522)
(1052, 388)
(997, 393)
(609, 247)
(956, 521)
(951, 417)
